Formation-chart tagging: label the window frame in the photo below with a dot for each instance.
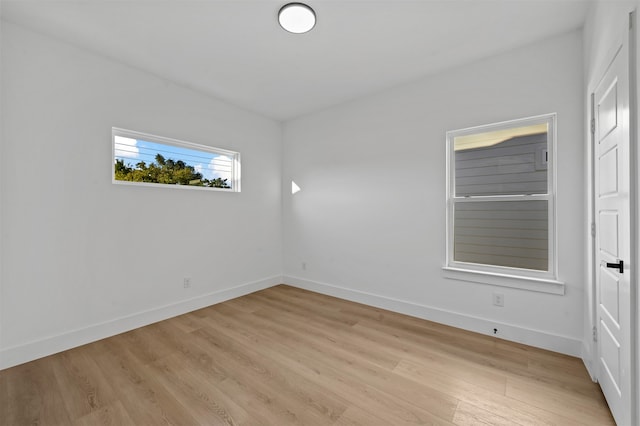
(529, 279)
(234, 155)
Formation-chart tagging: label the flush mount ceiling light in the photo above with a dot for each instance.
(297, 18)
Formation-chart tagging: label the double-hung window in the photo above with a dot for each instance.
(501, 204)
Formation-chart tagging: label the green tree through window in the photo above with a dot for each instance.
(165, 171)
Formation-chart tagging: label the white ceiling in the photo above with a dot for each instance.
(235, 50)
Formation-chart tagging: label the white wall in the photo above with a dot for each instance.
(1, 202)
(84, 258)
(369, 220)
(606, 22)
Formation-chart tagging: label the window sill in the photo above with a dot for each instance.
(541, 285)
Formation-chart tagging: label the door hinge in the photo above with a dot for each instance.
(593, 126)
(593, 229)
(595, 333)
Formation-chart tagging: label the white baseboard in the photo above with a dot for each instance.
(20, 354)
(53, 344)
(536, 338)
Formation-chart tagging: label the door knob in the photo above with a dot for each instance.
(619, 266)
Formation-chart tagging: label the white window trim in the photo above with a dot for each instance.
(235, 178)
(526, 279)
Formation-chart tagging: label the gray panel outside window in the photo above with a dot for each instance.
(514, 166)
(502, 233)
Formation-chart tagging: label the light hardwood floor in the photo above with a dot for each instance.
(287, 356)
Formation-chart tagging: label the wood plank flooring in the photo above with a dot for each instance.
(285, 356)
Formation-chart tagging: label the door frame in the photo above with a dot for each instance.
(634, 192)
(628, 40)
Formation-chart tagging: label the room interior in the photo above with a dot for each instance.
(355, 112)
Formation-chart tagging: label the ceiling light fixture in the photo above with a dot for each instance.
(297, 18)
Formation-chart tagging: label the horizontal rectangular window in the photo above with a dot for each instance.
(501, 198)
(140, 158)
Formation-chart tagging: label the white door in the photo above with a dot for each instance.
(612, 244)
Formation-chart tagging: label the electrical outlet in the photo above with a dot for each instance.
(498, 299)
(186, 282)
